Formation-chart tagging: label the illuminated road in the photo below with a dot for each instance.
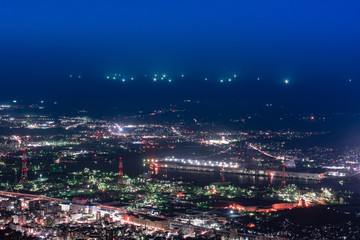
(266, 153)
(34, 196)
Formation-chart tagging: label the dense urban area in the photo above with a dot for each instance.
(163, 175)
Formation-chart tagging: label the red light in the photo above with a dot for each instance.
(251, 225)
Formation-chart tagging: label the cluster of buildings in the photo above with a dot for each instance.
(92, 193)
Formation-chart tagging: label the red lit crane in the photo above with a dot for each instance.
(24, 170)
(121, 174)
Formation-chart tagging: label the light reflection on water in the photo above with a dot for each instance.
(135, 167)
(250, 180)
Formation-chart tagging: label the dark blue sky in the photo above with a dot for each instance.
(313, 43)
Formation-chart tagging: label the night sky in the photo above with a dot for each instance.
(314, 44)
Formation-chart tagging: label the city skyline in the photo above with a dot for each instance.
(179, 120)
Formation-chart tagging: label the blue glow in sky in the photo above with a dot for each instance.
(305, 41)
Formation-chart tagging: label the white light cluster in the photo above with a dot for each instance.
(203, 163)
